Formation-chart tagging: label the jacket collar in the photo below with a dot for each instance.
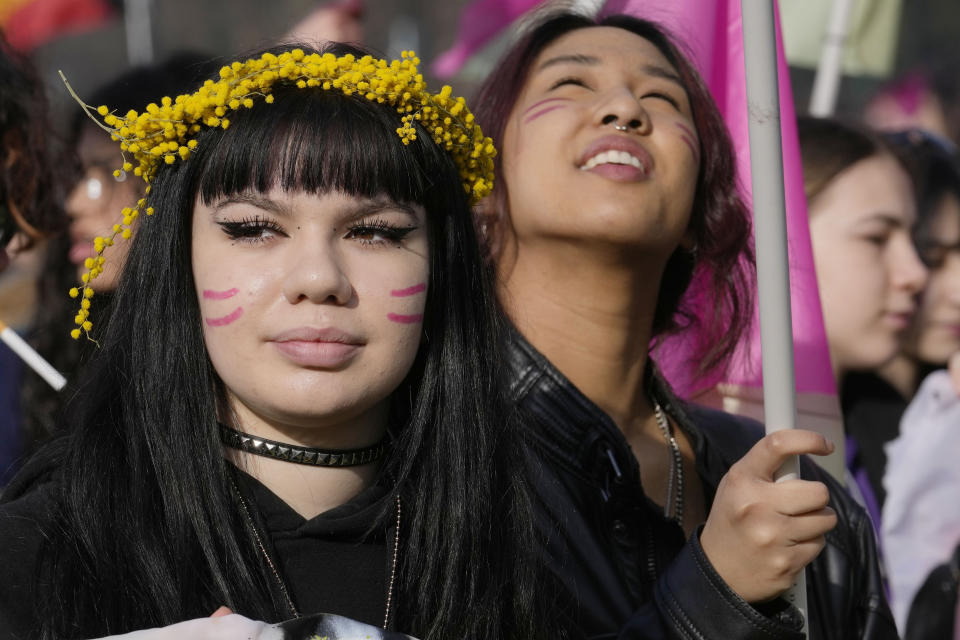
(570, 425)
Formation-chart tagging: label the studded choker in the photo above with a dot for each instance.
(301, 455)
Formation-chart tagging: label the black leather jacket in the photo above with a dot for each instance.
(626, 570)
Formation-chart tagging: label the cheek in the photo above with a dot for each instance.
(222, 310)
(542, 108)
(225, 301)
(689, 139)
(397, 310)
(124, 195)
(392, 286)
(222, 300)
(935, 294)
(408, 299)
(850, 280)
(223, 321)
(531, 143)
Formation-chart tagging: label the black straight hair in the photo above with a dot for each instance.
(150, 533)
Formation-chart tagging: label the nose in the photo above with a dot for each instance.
(314, 272)
(621, 109)
(909, 273)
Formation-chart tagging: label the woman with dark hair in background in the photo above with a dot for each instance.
(616, 221)
(292, 409)
(915, 460)
(862, 211)
(92, 203)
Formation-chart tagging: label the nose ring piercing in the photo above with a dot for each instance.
(620, 127)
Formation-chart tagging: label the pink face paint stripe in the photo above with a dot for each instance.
(540, 113)
(537, 104)
(690, 138)
(685, 129)
(693, 148)
(210, 294)
(409, 291)
(396, 317)
(225, 320)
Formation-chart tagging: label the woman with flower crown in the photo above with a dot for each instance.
(615, 216)
(292, 409)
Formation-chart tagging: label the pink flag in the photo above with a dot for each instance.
(479, 23)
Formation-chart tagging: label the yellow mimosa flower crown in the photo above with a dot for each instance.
(163, 133)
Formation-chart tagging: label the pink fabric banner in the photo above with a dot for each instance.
(479, 23)
(712, 34)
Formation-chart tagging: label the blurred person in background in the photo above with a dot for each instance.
(917, 462)
(340, 21)
(862, 211)
(30, 207)
(93, 203)
(885, 226)
(878, 396)
(924, 98)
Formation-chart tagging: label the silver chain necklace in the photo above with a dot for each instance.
(674, 504)
(282, 584)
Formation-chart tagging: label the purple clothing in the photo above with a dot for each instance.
(864, 490)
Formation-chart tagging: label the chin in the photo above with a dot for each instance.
(316, 409)
(938, 354)
(875, 358)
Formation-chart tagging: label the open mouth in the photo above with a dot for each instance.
(617, 158)
(614, 157)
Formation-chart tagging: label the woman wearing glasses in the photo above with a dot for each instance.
(91, 204)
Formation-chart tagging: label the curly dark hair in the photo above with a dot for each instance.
(29, 197)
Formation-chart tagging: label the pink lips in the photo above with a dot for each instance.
(899, 320)
(80, 251)
(618, 172)
(317, 348)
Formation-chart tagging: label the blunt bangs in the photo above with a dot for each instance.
(318, 141)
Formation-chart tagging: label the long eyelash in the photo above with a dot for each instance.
(250, 227)
(382, 227)
(568, 80)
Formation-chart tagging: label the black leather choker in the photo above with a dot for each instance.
(301, 455)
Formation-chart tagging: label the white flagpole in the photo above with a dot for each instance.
(36, 362)
(770, 232)
(826, 84)
(139, 30)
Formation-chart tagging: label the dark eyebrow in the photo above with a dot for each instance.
(579, 58)
(886, 219)
(575, 58)
(253, 199)
(364, 207)
(374, 205)
(662, 72)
